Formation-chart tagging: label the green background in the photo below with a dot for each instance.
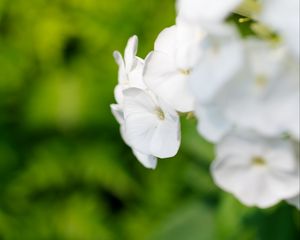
(65, 172)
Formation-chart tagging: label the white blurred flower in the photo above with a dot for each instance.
(221, 59)
(151, 127)
(168, 67)
(130, 69)
(283, 17)
(265, 95)
(295, 201)
(148, 161)
(205, 11)
(258, 171)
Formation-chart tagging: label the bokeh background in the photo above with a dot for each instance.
(65, 172)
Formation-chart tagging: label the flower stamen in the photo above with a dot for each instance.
(261, 81)
(185, 72)
(258, 162)
(159, 113)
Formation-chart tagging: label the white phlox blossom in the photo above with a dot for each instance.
(168, 67)
(151, 126)
(257, 170)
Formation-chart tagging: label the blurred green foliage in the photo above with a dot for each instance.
(64, 171)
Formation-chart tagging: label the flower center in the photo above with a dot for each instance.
(185, 72)
(258, 162)
(261, 81)
(216, 49)
(159, 113)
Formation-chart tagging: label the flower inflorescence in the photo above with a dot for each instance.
(243, 91)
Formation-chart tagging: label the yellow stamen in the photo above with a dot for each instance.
(160, 114)
(258, 161)
(185, 71)
(261, 81)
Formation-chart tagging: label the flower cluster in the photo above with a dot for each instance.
(244, 92)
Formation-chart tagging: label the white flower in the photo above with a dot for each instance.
(168, 67)
(148, 161)
(130, 69)
(221, 59)
(151, 126)
(258, 171)
(204, 11)
(295, 201)
(148, 126)
(283, 17)
(265, 95)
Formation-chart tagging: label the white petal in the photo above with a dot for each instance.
(118, 58)
(157, 64)
(138, 101)
(258, 191)
(122, 75)
(166, 41)
(166, 139)
(119, 115)
(135, 77)
(140, 121)
(117, 111)
(118, 93)
(130, 53)
(123, 134)
(146, 160)
(140, 129)
(188, 44)
(248, 142)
